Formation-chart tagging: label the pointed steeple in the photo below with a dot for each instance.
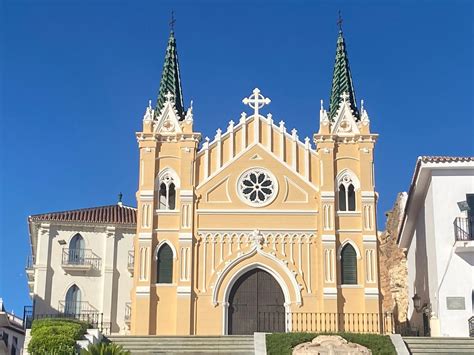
(341, 78)
(170, 78)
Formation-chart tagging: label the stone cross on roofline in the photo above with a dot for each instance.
(256, 101)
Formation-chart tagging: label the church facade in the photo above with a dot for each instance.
(255, 229)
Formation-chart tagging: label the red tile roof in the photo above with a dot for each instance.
(444, 159)
(114, 214)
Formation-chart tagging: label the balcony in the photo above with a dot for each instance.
(76, 307)
(79, 260)
(30, 274)
(464, 234)
(128, 313)
(131, 262)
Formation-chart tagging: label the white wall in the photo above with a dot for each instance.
(435, 269)
(107, 289)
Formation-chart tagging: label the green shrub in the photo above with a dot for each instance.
(105, 349)
(55, 336)
(283, 343)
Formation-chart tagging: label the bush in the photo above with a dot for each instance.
(105, 349)
(55, 336)
(283, 343)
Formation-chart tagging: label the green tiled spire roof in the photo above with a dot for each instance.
(170, 78)
(341, 79)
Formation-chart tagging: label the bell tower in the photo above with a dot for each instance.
(345, 146)
(162, 292)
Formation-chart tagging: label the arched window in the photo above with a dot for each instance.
(76, 250)
(342, 198)
(346, 195)
(348, 265)
(73, 301)
(167, 193)
(164, 265)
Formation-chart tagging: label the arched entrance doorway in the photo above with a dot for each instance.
(256, 304)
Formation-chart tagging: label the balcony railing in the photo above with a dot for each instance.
(463, 229)
(131, 261)
(94, 319)
(76, 307)
(128, 312)
(80, 259)
(334, 322)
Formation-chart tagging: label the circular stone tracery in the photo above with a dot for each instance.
(257, 187)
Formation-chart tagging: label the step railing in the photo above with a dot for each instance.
(76, 307)
(463, 229)
(379, 323)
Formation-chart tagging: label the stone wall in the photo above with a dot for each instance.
(393, 265)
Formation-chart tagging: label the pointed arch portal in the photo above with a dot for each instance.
(256, 304)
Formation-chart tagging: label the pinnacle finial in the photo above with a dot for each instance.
(172, 21)
(339, 21)
(120, 195)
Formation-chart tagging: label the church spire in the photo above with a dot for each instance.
(170, 78)
(341, 79)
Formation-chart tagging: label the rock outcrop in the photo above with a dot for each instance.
(330, 344)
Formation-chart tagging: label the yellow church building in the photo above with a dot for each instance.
(255, 229)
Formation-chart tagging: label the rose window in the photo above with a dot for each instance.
(257, 187)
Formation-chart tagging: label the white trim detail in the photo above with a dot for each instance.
(256, 250)
(343, 244)
(371, 292)
(183, 290)
(144, 236)
(252, 211)
(185, 237)
(236, 276)
(330, 292)
(160, 244)
(369, 238)
(142, 290)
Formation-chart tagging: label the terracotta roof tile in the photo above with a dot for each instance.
(444, 159)
(115, 214)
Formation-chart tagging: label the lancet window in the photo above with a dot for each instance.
(346, 194)
(164, 271)
(348, 265)
(167, 193)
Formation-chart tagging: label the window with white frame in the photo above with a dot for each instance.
(346, 194)
(167, 193)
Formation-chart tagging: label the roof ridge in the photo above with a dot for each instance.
(83, 209)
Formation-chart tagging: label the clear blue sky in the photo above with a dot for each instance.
(77, 76)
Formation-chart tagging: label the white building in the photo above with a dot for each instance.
(12, 334)
(82, 265)
(437, 234)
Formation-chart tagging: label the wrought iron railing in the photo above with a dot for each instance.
(128, 312)
(131, 260)
(80, 257)
(73, 307)
(463, 229)
(30, 262)
(93, 319)
(339, 322)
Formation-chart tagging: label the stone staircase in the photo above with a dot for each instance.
(442, 345)
(194, 344)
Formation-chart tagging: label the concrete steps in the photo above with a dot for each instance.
(441, 345)
(194, 344)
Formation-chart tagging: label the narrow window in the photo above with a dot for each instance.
(171, 197)
(342, 198)
(348, 265)
(351, 198)
(163, 203)
(76, 250)
(164, 273)
(73, 300)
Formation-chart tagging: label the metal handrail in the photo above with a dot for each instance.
(76, 307)
(128, 311)
(463, 229)
(80, 257)
(131, 259)
(30, 262)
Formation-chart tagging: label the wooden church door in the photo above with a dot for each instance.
(256, 304)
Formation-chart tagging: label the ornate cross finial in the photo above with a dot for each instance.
(339, 21)
(256, 101)
(169, 96)
(172, 21)
(120, 195)
(344, 96)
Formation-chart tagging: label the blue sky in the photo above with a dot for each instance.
(77, 76)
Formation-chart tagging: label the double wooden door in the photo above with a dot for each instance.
(256, 304)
